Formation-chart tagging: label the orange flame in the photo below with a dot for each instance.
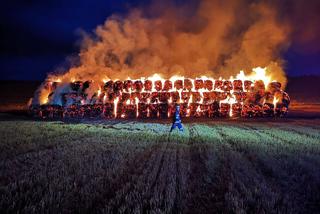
(195, 93)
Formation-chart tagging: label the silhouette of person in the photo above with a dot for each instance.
(177, 120)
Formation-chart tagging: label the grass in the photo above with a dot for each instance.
(134, 167)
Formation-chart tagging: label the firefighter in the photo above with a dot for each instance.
(177, 120)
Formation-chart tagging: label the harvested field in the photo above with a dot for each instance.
(129, 166)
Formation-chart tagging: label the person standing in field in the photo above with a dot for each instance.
(177, 120)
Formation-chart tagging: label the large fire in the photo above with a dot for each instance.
(253, 95)
(166, 51)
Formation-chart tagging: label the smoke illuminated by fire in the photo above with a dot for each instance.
(212, 41)
(219, 38)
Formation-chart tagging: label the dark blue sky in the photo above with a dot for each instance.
(37, 36)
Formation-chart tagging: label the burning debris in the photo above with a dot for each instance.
(154, 97)
(189, 41)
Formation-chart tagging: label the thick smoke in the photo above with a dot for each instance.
(216, 38)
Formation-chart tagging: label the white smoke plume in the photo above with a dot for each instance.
(217, 38)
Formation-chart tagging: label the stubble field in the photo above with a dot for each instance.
(269, 166)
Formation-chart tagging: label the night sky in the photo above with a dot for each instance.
(37, 36)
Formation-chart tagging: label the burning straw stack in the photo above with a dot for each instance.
(157, 99)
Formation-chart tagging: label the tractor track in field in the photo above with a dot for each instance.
(259, 171)
(211, 168)
(251, 158)
(146, 180)
(297, 129)
(155, 186)
(124, 182)
(205, 193)
(177, 201)
(265, 172)
(259, 132)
